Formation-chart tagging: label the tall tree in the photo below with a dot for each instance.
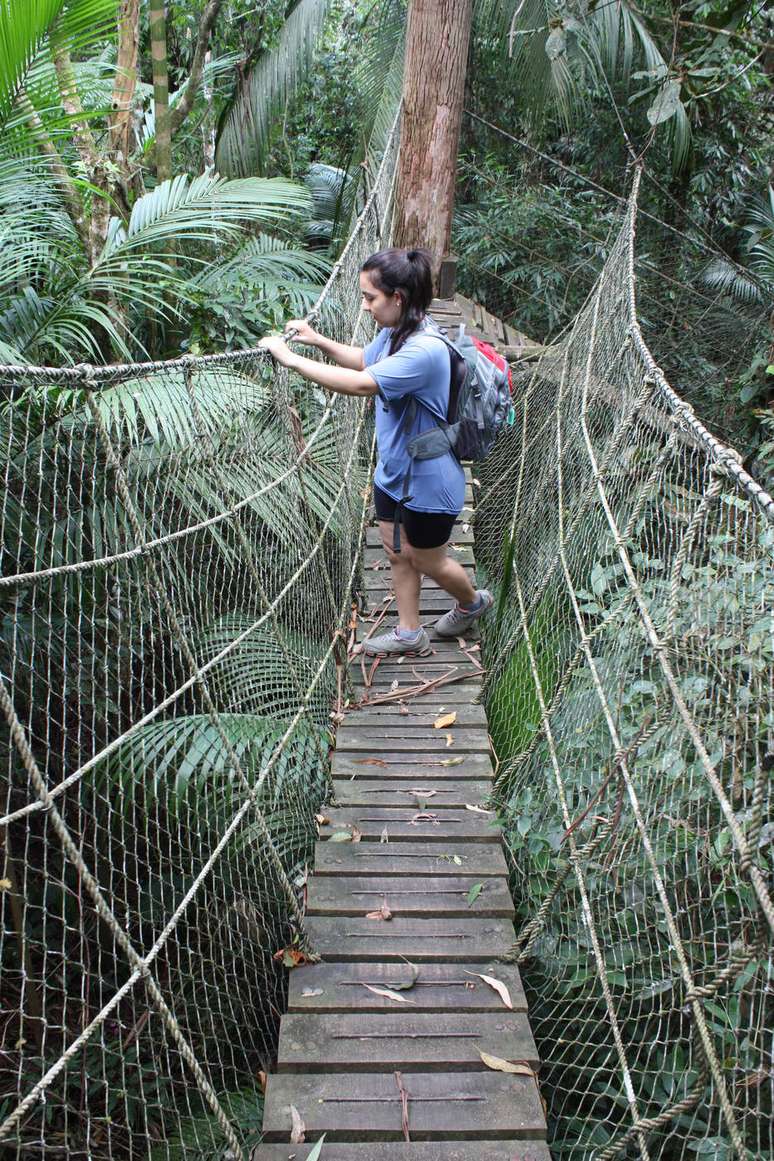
(158, 36)
(436, 57)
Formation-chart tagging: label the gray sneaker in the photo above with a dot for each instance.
(457, 621)
(391, 645)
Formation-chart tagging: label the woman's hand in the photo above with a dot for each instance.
(303, 332)
(278, 348)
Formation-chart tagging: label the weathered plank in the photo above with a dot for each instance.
(438, 987)
(374, 1041)
(387, 763)
(418, 940)
(439, 794)
(366, 1107)
(414, 1151)
(396, 824)
(425, 895)
(416, 715)
(473, 741)
(387, 859)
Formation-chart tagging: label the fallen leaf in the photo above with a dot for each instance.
(384, 837)
(383, 913)
(289, 957)
(452, 761)
(298, 1128)
(477, 809)
(322, 819)
(476, 482)
(5, 884)
(449, 740)
(263, 1080)
(517, 1068)
(401, 660)
(424, 816)
(498, 986)
(445, 720)
(316, 1151)
(420, 792)
(356, 834)
(404, 709)
(312, 992)
(466, 527)
(394, 685)
(389, 995)
(401, 986)
(370, 762)
(457, 860)
(474, 893)
(340, 836)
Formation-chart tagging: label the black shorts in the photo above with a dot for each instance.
(421, 529)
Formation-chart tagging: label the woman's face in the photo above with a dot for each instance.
(385, 308)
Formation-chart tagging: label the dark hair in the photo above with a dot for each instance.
(410, 272)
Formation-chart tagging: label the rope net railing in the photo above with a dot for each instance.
(180, 548)
(629, 694)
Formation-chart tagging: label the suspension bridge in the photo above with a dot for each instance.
(209, 865)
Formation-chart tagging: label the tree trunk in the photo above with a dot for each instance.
(158, 34)
(433, 90)
(125, 85)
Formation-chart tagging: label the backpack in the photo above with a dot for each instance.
(480, 389)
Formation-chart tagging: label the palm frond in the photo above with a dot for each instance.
(727, 278)
(183, 765)
(257, 677)
(80, 24)
(206, 208)
(243, 140)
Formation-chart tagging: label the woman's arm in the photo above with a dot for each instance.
(341, 353)
(344, 380)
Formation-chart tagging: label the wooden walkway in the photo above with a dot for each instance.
(410, 895)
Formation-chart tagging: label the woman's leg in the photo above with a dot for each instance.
(406, 581)
(446, 572)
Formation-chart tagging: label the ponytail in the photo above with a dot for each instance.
(411, 273)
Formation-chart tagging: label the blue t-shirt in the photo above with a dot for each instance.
(420, 368)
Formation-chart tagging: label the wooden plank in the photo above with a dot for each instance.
(389, 670)
(349, 764)
(391, 859)
(453, 695)
(418, 716)
(368, 1107)
(438, 987)
(398, 825)
(425, 895)
(392, 792)
(421, 1041)
(415, 1151)
(456, 940)
(471, 741)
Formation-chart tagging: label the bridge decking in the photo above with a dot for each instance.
(383, 1079)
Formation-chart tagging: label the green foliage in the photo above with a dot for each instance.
(721, 610)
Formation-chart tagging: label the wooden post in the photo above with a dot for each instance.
(436, 59)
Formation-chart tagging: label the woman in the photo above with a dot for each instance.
(405, 360)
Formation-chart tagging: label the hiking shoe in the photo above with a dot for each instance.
(391, 645)
(458, 620)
